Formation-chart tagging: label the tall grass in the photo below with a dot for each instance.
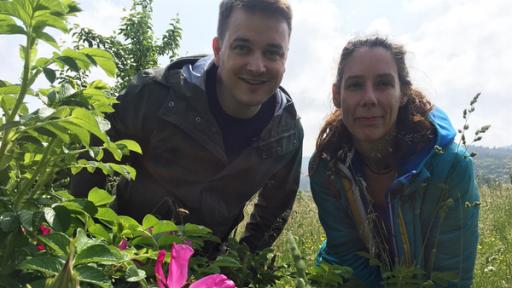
(494, 260)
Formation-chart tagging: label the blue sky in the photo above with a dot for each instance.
(456, 48)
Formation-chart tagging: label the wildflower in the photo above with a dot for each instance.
(178, 271)
(123, 244)
(44, 231)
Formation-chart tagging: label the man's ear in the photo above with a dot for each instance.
(336, 96)
(216, 45)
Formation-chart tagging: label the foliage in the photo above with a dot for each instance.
(134, 46)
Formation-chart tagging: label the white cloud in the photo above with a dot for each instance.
(462, 51)
(312, 60)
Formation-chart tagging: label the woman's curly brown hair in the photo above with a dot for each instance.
(412, 125)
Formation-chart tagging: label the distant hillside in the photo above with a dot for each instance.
(490, 163)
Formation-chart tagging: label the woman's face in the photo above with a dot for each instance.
(369, 94)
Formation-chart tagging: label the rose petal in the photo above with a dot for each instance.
(159, 271)
(45, 230)
(214, 281)
(178, 270)
(41, 247)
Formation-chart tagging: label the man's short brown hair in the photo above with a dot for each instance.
(280, 8)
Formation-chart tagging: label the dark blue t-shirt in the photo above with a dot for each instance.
(237, 133)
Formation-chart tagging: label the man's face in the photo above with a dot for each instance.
(251, 60)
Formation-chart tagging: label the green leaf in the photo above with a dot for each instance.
(26, 219)
(42, 21)
(12, 9)
(106, 214)
(97, 253)
(48, 39)
(224, 261)
(99, 231)
(93, 275)
(10, 90)
(9, 222)
(134, 275)
(129, 223)
(85, 119)
(58, 217)
(103, 59)
(81, 205)
(57, 241)
(70, 62)
(164, 226)
(125, 170)
(100, 197)
(82, 61)
(47, 264)
(82, 241)
(8, 26)
(81, 133)
(49, 74)
(130, 144)
(149, 221)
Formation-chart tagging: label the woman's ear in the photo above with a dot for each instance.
(336, 96)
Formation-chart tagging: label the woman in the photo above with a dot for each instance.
(387, 177)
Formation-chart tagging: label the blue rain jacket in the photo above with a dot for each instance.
(433, 208)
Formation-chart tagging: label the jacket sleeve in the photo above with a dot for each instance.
(342, 238)
(274, 204)
(458, 229)
(122, 126)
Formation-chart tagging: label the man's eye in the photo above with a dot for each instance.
(273, 54)
(241, 49)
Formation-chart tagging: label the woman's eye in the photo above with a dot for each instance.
(385, 83)
(354, 85)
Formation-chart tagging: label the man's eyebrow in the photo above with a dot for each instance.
(355, 77)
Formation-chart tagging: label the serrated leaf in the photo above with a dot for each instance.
(10, 90)
(149, 221)
(58, 217)
(9, 26)
(79, 58)
(48, 39)
(47, 264)
(81, 133)
(130, 144)
(10, 8)
(97, 253)
(57, 241)
(26, 219)
(103, 59)
(68, 61)
(164, 226)
(106, 214)
(93, 275)
(42, 21)
(99, 197)
(99, 231)
(9, 222)
(85, 119)
(133, 274)
(49, 74)
(224, 261)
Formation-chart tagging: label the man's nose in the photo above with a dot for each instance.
(256, 63)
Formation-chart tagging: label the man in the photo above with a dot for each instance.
(216, 130)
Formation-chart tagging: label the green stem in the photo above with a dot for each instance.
(23, 91)
(20, 196)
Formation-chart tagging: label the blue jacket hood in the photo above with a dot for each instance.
(445, 134)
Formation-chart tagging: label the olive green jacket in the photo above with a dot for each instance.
(184, 167)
